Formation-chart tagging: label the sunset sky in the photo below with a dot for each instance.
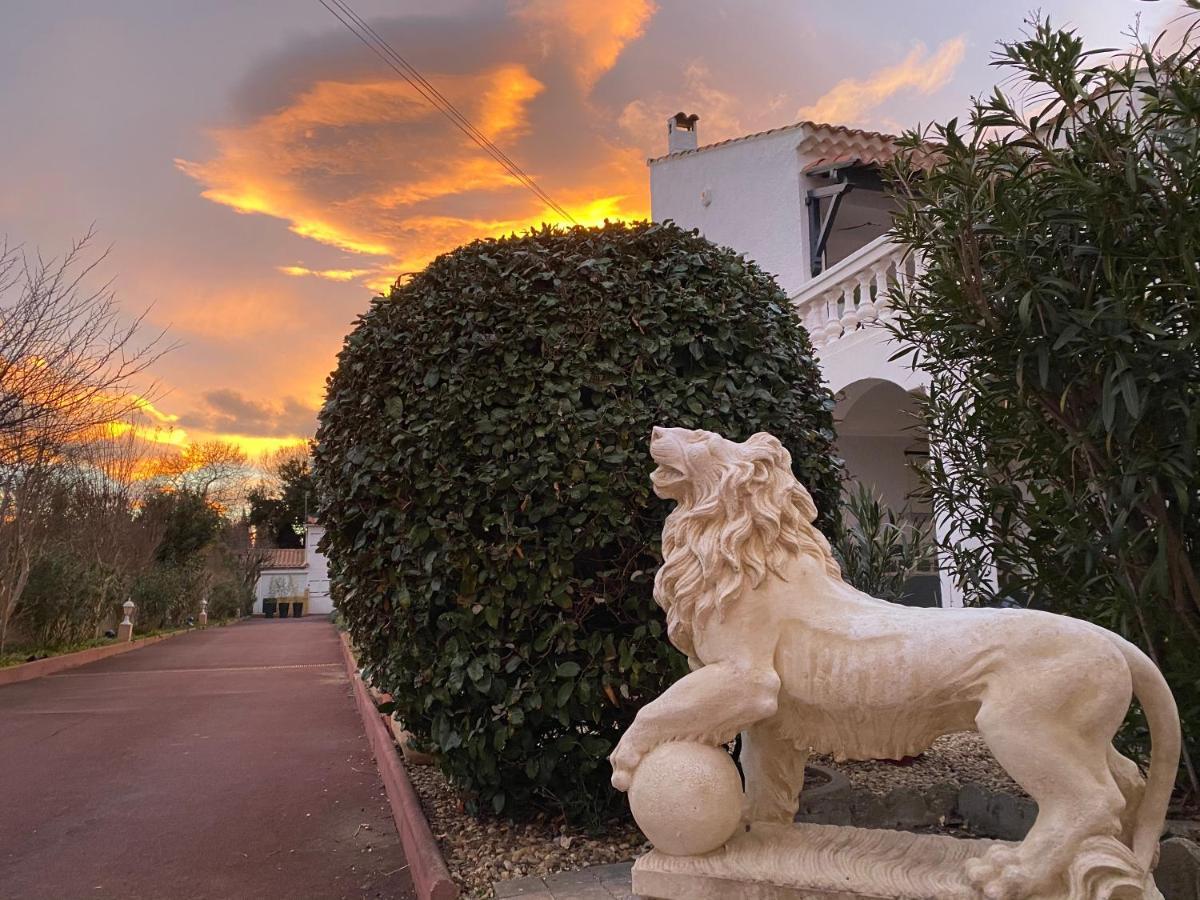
(259, 173)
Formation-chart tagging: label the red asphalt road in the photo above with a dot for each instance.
(227, 763)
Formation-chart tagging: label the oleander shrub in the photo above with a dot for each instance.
(877, 549)
(1057, 311)
(483, 470)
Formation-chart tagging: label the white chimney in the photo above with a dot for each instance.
(681, 132)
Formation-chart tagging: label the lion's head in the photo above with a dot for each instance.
(741, 515)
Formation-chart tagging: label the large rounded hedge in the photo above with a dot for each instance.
(483, 466)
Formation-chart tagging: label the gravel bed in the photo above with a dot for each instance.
(481, 851)
(953, 759)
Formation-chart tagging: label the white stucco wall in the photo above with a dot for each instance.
(879, 461)
(756, 204)
(867, 354)
(319, 601)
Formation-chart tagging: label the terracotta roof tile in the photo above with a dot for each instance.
(837, 136)
(284, 558)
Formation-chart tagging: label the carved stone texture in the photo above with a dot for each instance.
(787, 654)
(687, 798)
(815, 861)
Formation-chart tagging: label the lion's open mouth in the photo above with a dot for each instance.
(665, 475)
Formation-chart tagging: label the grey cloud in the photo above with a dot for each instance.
(229, 411)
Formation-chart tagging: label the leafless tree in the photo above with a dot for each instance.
(68, 365)
(215, 470)
(107, 488)
(277, 465)
(68, 359)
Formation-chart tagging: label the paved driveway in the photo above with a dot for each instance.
(227, 763)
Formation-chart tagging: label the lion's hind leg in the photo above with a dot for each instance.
(1128, 777)
(774, 769)
(1055, 745)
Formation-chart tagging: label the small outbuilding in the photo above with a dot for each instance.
(294, 582)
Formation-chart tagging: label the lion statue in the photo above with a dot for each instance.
(786, 653)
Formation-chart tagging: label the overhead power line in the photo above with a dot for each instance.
(342, 11)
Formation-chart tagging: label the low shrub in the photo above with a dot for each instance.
(165, 595)
(63, 602)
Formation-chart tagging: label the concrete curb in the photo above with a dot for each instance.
(430, 876)
(38, 668)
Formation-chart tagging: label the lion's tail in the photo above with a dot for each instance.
(1152, 692)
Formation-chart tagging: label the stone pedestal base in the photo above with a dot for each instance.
(203, 619)
(815, 862)
(125, 632)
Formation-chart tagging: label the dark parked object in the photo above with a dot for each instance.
(269, 608)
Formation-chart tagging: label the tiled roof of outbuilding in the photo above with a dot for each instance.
(284, 558)
(825, 139)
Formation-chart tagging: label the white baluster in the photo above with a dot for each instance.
(854, 312)
(883, 285)
(815, 322)
(868, 310)
(879, 278)
(833, 323)
(906, 271)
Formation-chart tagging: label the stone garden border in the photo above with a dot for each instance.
(52, 664)
(430, 875)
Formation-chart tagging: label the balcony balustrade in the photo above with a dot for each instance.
(853, 293)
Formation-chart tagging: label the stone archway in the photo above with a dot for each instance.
(883, 442)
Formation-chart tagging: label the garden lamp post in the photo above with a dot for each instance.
(203, 613)
(125, 629)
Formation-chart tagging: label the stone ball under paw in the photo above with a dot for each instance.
(686, 798)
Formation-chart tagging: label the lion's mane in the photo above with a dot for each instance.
(754, 519)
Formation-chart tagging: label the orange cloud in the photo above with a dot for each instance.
(230, 312)
(227, 411)
(442, 233)
(143, 406)
(328, 162)
(368, 167)
(327, 274)
(256, 446)
(166, 442)
(721, 112)
(851, 100)
(596, 33)
(173, 437)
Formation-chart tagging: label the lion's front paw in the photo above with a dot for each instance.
(624, 761)
(999, 875)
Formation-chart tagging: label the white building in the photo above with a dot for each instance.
(295, 581)
(806, 203)
(316, 570)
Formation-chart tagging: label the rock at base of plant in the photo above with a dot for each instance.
(404, 738)
(1178, 871)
